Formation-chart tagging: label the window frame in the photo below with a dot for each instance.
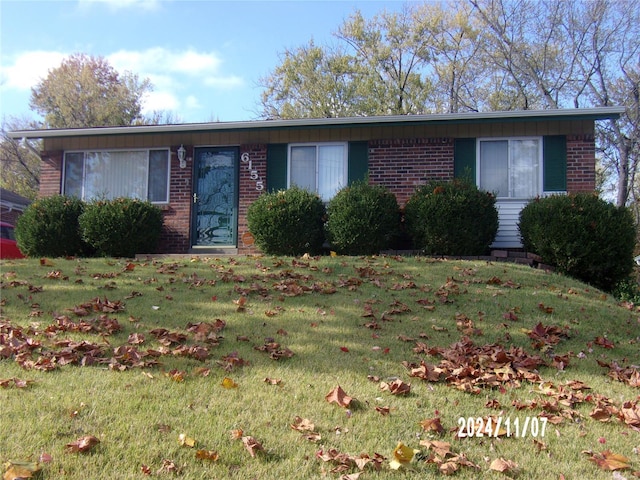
(317, 145)
(148, 151)
(540, 168)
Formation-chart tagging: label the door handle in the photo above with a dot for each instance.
(195, 197)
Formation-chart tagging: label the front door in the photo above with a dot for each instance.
(215, 197)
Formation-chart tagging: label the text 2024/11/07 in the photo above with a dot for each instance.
(533, 427)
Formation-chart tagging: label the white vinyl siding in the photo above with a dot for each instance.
(508, 235)
(512, 169)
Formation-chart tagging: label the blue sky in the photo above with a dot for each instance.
(203, 57)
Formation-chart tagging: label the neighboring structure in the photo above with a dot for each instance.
(204, 176)
(11, 206)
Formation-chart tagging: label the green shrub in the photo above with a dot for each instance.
(627, 290)
(452, 218)
(121, 227)
(287, 222)
(362, 219)
(582, 235)
(49, 228)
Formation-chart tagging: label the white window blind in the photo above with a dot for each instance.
(511, 168)
(141, 174)
(320, 168)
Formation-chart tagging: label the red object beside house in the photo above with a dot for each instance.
(8, 246)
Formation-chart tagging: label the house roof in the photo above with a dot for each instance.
(12, 200)
(600, 113)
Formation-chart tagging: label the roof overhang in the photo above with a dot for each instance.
(600, 113)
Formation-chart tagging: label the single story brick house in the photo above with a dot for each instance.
(11, 205)
(204, 176)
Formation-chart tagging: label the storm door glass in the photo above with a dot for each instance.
(215, 197)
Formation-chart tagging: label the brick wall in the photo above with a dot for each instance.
(399, 164)
(253, 176)
(581, 163)
(177, 215)
(50, 173)
(403, 164)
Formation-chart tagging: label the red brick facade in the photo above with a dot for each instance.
(51, 173)
(177, 215)
(399, 164)
(581, 172)
(403, 164)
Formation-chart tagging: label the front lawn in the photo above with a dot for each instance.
(229, 367)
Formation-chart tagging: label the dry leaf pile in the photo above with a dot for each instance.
(466, 364)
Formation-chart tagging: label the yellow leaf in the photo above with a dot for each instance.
(333, 254)
(401, 456)
(186, 441)
(228, 383)
(210, 455)
(18, 470)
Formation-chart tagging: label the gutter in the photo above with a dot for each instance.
(600, 113)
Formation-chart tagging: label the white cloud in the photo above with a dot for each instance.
(27, 69)
(224, 82)
(160, 60)
(192, 103)
(175, 71)
(122, 4)
(180, 78)
(155, 101)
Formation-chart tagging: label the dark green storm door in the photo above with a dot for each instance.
(215, 197)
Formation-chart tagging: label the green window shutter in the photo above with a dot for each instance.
(358, 161)
(555, 163)
(464, 158)
(277, 167)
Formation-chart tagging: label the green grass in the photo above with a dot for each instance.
(138, 414)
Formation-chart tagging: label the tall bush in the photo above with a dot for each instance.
(49, 228)
(452, 218)
(582, 235)
(362, 219)
(121, 227)
(287, 222)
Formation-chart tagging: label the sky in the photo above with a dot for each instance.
(204, 58)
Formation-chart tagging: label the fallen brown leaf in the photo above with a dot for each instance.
(82, 444)
(503, 466)
(432, 425)
(252, 445)
(607, 460)
(397, 387)
(338, 395)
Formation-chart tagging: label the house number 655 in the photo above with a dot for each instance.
(253, 174)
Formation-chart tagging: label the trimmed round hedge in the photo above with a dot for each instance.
(287, 222)
(121, 227)
(362, 219)
(452, 218)
(582, 235)
(49, 228)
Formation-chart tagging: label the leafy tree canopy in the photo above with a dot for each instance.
(86, 91)
(477, 55)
